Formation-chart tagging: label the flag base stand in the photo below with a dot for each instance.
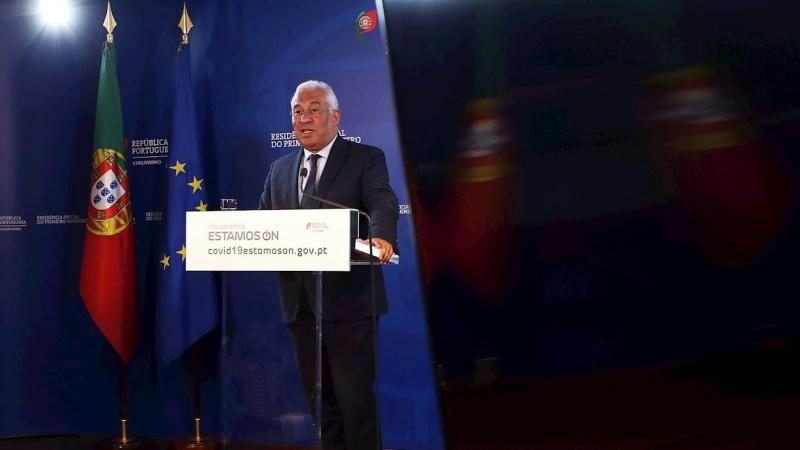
(195, 444)
(131, 443)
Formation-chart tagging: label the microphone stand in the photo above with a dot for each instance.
(318, 381)
(318, 337)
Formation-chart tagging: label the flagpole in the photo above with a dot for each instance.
(122, 387)
(197, 442)
(196, 382)
(124, 442)
(122, 368)
(123, 347)
(185, 24)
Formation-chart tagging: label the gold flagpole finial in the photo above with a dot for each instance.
(185, 24)
(109, 23)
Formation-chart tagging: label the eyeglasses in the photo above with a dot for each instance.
(313, 112)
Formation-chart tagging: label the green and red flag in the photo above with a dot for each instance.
(108, 268)
(366, 22)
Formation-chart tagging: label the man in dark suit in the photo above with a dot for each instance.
(354, 175)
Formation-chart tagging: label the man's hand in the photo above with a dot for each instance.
(385, 248)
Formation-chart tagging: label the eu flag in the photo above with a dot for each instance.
(187, 307)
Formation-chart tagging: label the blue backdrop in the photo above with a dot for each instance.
(57, 372)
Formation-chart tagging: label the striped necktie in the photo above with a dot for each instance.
(311, 182)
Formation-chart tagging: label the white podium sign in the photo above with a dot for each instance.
(294, 240)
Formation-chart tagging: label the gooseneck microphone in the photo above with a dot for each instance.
(303, 175)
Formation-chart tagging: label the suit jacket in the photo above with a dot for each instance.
(355, 176)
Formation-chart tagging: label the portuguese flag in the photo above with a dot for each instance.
(108, 269)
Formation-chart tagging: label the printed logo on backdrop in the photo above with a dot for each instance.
(405, 209)
(58, 219)
(12, 223)
(289, 140)
(149, 152)
(366, 22)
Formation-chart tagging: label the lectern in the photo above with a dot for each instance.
(308, 240)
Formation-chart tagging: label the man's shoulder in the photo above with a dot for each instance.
(358, 148)
(285, 159)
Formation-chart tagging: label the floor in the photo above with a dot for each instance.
(748, 399)
(745, 400)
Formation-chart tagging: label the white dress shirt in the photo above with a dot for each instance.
(320, 166)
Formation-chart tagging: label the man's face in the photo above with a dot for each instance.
(314, 131)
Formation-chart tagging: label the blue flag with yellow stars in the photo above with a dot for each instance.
(187, 306)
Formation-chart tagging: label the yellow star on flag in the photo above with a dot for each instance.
(178, 167)
(182, 252)
(195, 184)
(165, 261)
(202, 206)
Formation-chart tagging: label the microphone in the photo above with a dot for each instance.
(360, 247)
(303, 174)
(338, 205)
(365, 249)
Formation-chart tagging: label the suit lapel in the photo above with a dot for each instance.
(336, 159)
(293, 171)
